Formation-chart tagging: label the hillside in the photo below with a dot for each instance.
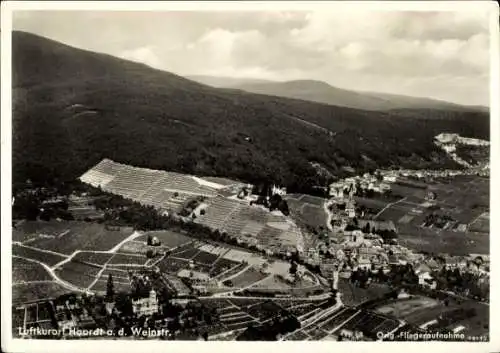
(321, 92)
(72, 108)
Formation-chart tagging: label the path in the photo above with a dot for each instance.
(387, 206)
(328, 216)
(31, 282)
(51, 272)
(132, 236)
(231, 295)
(308, 323)
(344, 322)
(254, 283)
(38, 249)
(234, 275)
(99, 274)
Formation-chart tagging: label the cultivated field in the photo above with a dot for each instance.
(78, 274)
(346, 318)
(407, 308)
(48, 258)
(246, 278)
(160, 189)
(237, 314)
(240, 220)
(462, 202)
(67, 237)
(423, 311)
(92, 258)
(27, 292)
(121, 281)
(127, 259)
(446, 241)
(167, 238)
(354, 295)
(307, 210)
(27, 271)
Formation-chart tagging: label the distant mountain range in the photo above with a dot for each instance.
(72, 108)
(321, 92)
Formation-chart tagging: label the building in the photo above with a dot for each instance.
(390, 178)
(278, 191)
(384, 187)
(146, 306)
(351, 335)
(193, 275)
(364, 263)
(110, 307)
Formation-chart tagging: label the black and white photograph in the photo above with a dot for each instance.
(256, 171)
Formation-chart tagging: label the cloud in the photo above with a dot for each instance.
(396, 52)
(145, 55)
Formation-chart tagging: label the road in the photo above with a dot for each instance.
(387, 206)
(51, 272)
(328, 216)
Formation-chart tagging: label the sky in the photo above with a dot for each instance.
(441, 55)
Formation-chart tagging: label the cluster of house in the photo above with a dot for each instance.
(361, 251)
(349, 186)
(447, 138)
(245, 193)
(56, 317)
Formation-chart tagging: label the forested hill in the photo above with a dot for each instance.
(322, 92)
(73, 108)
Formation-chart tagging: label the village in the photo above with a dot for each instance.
(174, 296)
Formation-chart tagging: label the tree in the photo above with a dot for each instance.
(150, 239)
(293, 268)
(110, 288)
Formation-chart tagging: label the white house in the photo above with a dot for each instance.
(146, 306)
(390, 178)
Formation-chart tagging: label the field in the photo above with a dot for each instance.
(27, 271)
(405, 309)
(221, 266)
(128, 259)
(238, 220)
(171, 265)
(346, 318)
(47, 258)
(121, 282)
(33, 229)
(67, 237)
(464, 199)
(396, 211)
(78, 274)
(205, 258)
(167, 238)
(237, 314)
(481, 224)
(246, 278)
(353, 295)
(134, 247)
(474, 155)
(432, 241)
(307, 209)
(272, 283)
(26, 292)
(370, 323)
(92, 258)
(375, 205)
(422, 310)
(186, 253)
(122, 274)
(160, 189)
